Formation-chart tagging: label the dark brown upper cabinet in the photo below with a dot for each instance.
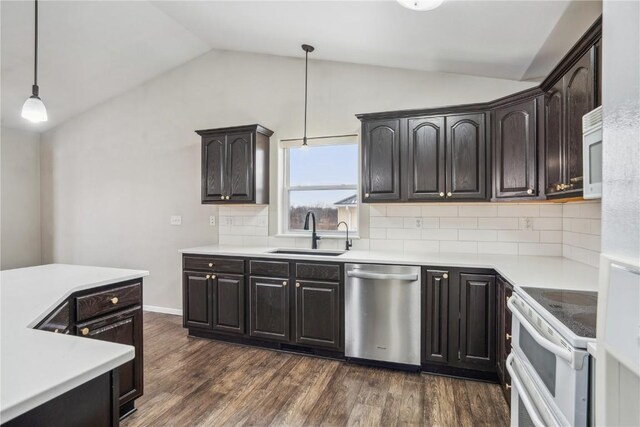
(526, 145)
(466, 157)
(381, 160)
(426, 159)
(515, 148)
(235, 164)
(572, 89)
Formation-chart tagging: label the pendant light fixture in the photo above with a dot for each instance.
(307, 48)
(33, 108)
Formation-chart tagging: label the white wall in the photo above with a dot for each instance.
(20, 198)
(112, 176)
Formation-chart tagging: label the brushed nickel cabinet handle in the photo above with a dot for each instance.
(114, 300)
(84, 331)
(508, 336)
(508, 386)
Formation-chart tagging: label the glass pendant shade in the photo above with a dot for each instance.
(421, 5)
(34, 110)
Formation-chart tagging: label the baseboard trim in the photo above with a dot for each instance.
(165, 310)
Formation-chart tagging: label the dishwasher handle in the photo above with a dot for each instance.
(381, 276)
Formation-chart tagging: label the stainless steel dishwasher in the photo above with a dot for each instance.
(382, 313)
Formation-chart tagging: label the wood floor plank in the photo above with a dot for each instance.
(197, 382)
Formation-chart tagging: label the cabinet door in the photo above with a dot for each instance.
(123, 327)
(426, 157)
(381, 160)
(435, 303)
(269, 315)
(506, 340)
(466, 157)
(240, 167)
(554, 137)
(579, 100)
(318, 314)
(213, 168)
(477, 320)
(197, 299)
(228, 303)
(515, 165)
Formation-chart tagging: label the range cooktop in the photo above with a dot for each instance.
(574, 309)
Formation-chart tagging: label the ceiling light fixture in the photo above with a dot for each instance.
(421, 5)
(33, 108)
(307, 48)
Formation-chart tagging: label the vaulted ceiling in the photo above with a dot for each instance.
(91, 51)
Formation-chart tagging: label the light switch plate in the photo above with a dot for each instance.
(526, 224)
(212, 221)
(175, 220)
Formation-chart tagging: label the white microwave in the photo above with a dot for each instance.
(592, 154)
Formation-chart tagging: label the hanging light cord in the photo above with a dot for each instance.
(35, 68)
(306, 68)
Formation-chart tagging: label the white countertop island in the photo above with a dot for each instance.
(36, 366)
(520, 271)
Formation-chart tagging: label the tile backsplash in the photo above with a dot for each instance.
(571, 229)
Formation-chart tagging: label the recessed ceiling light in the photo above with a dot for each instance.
(421, 5)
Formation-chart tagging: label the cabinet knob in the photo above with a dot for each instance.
(114, 300)
(366, 194)
(442, 194)
(207, 277)
(508, 336)
(213, 277)
(222, 197)
(227, 197)
(445, 276)
(284, 283)
(84, 331)
(508, 386)
(56, 331)
(210, 264)
(297, 285)
(530, 191)
(449, 194)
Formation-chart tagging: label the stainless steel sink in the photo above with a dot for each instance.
(317, 252)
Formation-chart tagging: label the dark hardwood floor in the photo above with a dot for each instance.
(192, 381)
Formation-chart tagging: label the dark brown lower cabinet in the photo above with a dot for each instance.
(228, 303)
(318, 314)
(269, 313)
(123, 327)
(435, 313)
(503, 293)
(477, 320)
(197, 300)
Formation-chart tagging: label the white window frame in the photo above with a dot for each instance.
(285, 145)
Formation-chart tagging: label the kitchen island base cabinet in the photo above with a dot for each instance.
(94, 403)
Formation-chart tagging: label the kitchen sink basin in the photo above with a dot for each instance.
(317, 252)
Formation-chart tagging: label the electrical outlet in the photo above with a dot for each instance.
(175, 220)
(418, 222)
(526, 224)
(212, 221)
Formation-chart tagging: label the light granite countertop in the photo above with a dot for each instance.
(36, 365)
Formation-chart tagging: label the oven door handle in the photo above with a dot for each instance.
(523, 395)
(553, 348)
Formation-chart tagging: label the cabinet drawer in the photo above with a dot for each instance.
(58, 321)
(218, 265)
(269, 268)
(318, 271)
(99, 303)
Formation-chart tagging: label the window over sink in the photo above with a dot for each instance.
(322, 178)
